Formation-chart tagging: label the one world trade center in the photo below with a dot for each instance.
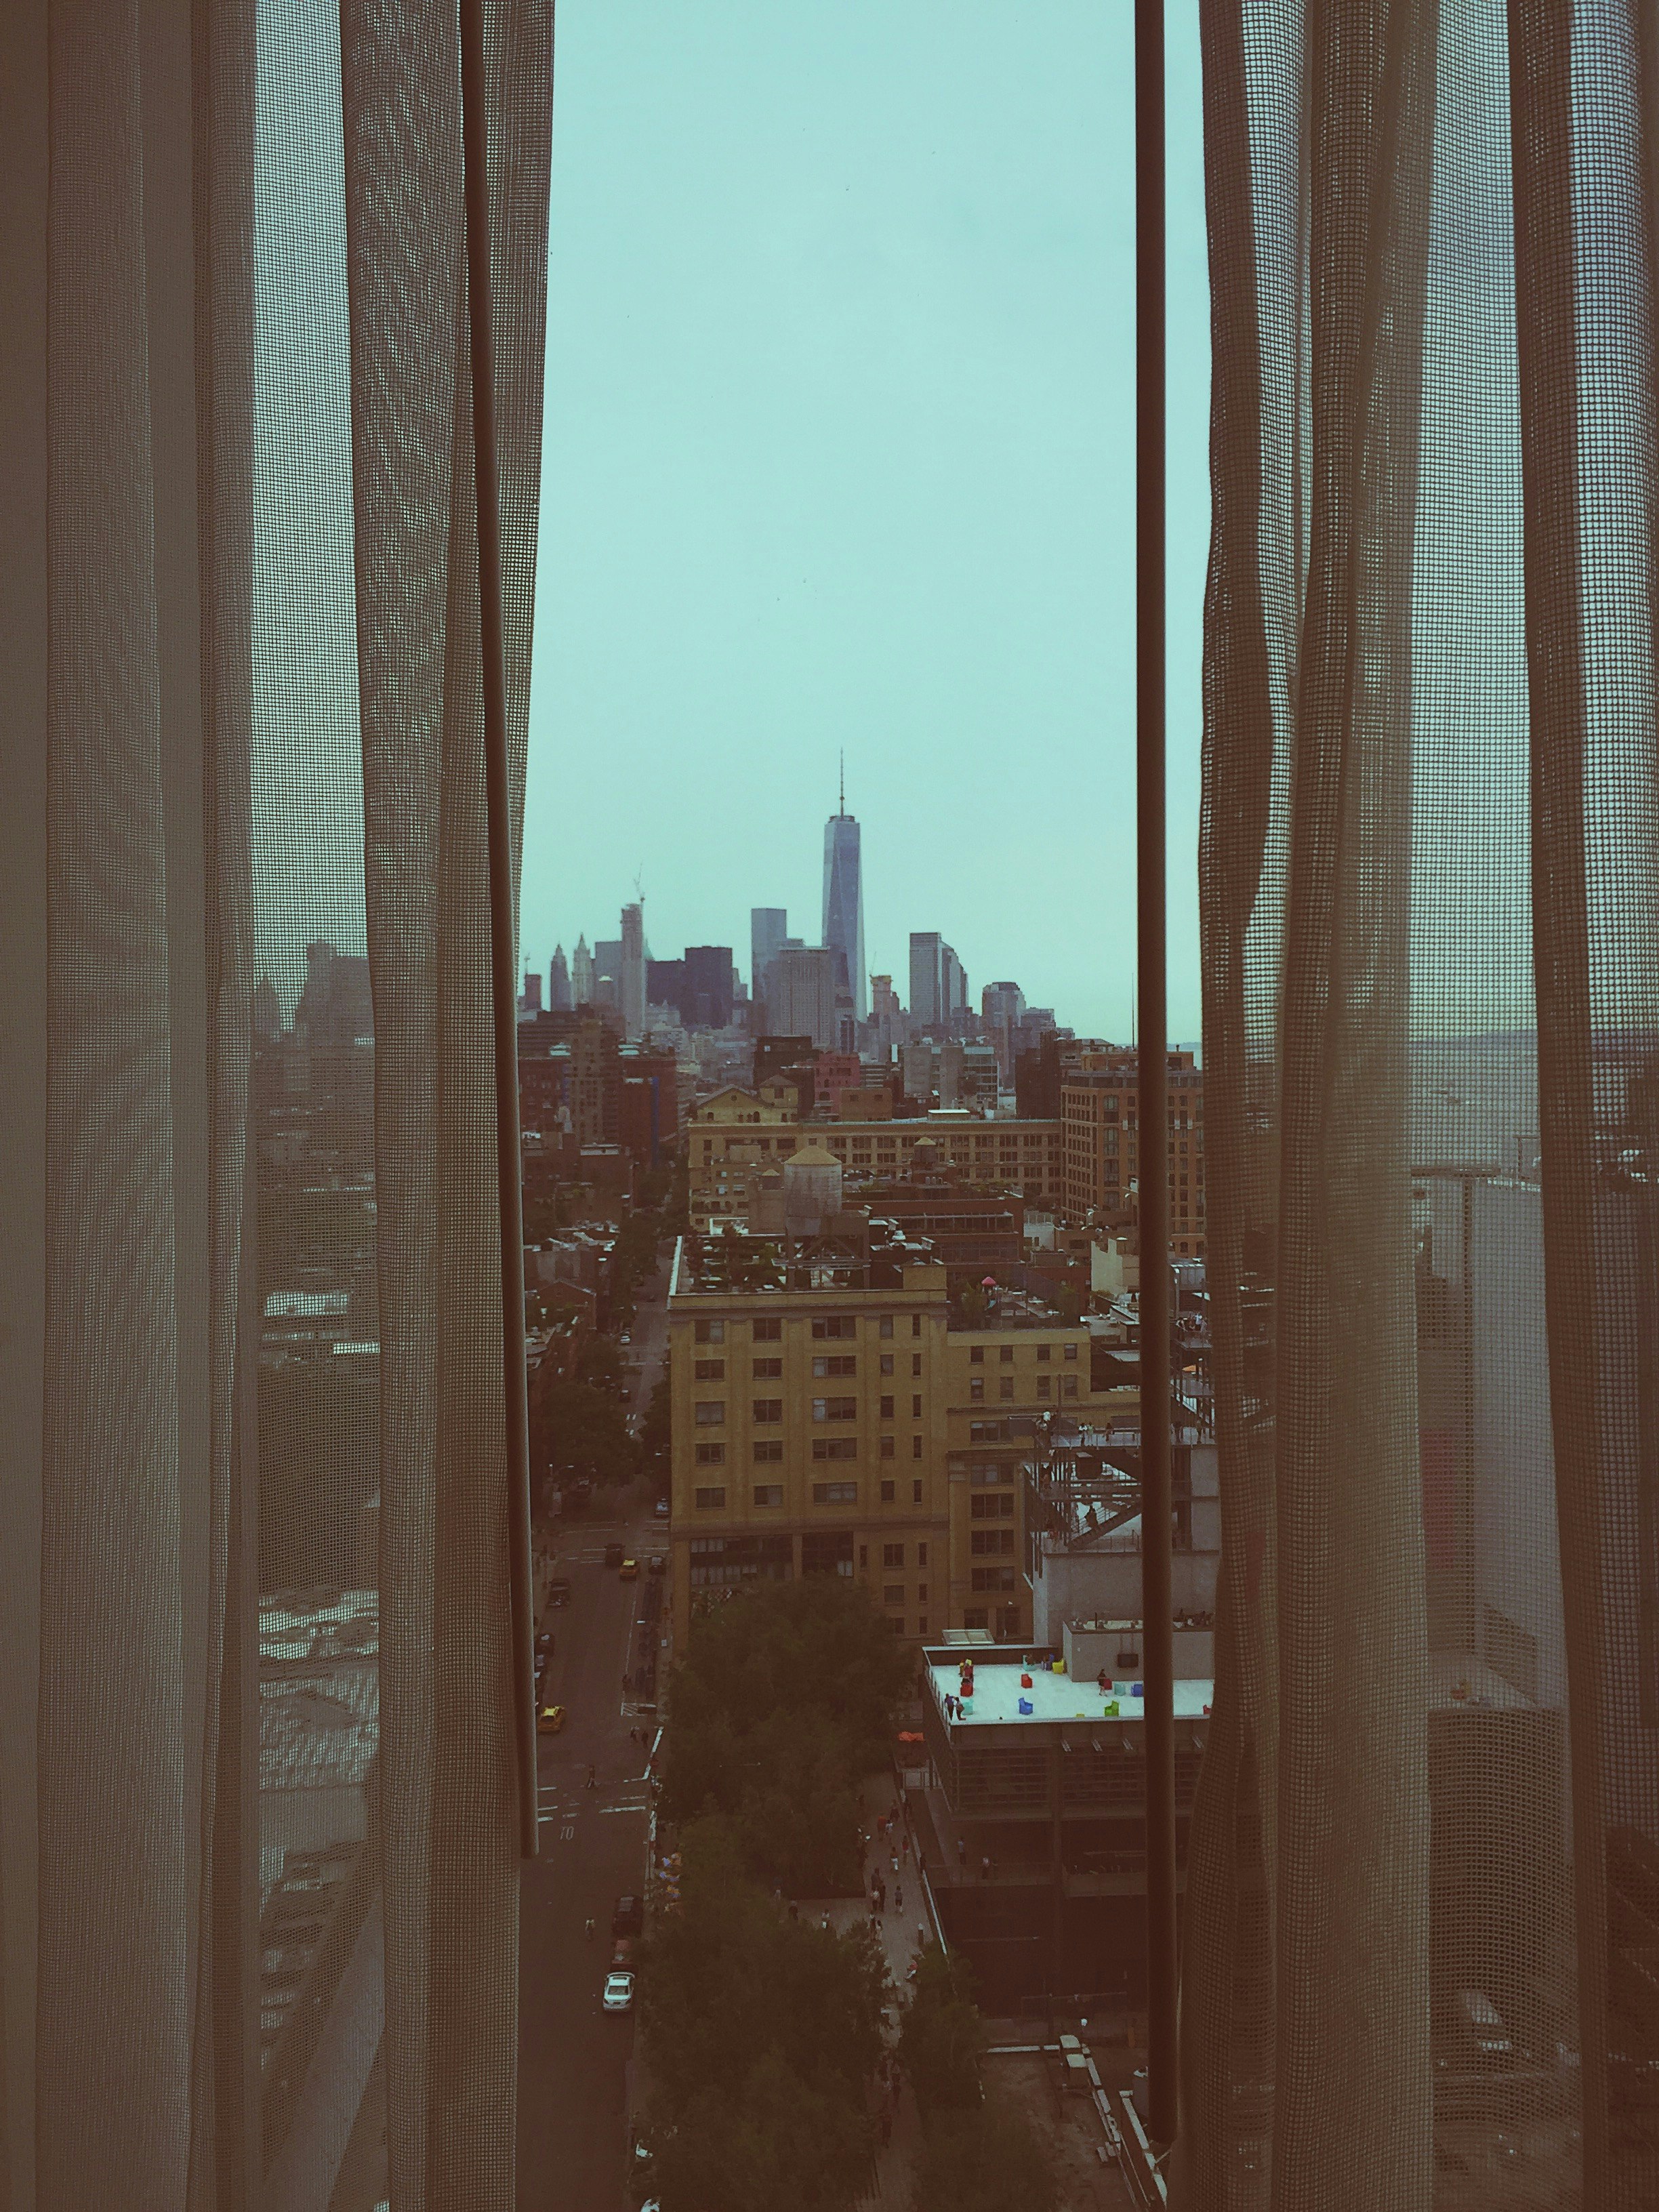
(843, 905)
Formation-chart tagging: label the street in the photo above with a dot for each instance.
(572, 2057)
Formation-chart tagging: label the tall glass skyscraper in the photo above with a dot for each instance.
(843, 906)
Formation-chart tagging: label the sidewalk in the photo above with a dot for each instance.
(898, 1930)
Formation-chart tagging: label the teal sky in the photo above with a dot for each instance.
(839, 453)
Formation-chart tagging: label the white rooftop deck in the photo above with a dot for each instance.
(997, 1693)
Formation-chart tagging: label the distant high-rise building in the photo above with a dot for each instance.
(952, 988)
(630, 976)
(883, 998)
(843, 905)
(558, 982)
(767, 927)
(925, 947)
(665, 984)
(581, 973)
(804, 998)
(708, 1002)
(267, 1012)
(531, 1001)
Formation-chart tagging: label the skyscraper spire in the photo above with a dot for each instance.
(840, 802)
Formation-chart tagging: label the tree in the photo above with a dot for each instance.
(941, 2035)
(577, 1429)
(985, 2161)
(656, 1429)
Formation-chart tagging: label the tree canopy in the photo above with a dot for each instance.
(985, 2161)
(941, 2036)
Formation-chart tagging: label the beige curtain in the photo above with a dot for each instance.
(257, 1881)
(1432, 1017)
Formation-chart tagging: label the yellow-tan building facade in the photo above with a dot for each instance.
(1100, 1143)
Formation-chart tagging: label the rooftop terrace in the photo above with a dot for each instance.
(997, 1692)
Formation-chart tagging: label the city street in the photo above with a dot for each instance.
(573, 2058)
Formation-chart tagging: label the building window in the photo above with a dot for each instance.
(864, 1557)
(711, 1498)
(887, 1448)
(1005, 1354)
(834, 1409)
(768, 1450)
(837, 1325)
(887, 1489)
(886, 1403)
(976, 1355)
(986, 1542)
(916, 1447)
(711, 1454)
(840, 1364)
(886, 1325)
(1045, 1386)
(922, 1625)
(766, 1409)
(768, 1332)
(892, 1555)
(1070, 1352)
(975, 1382)
(916, 1493)
(834, 1446)
(767, 1493)
(834, 1493)
(915, 1409)
(975, 1617)
(1045, 1353)
(991, 1509)
(711, 1413)
(915, 1324)
(1005, 1387)
(767, 1371)
(921, 1558)
(992, 1578)
(1068, 1385)
(711, 1371)
(886, 1363)
(709, 1332)
(916, 1363)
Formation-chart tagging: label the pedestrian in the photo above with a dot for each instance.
(898, 1899)
(794, 1910)
(907, 1849)
(895, 1861)
(921, 1936)
(593, 1781)
(985, 1868)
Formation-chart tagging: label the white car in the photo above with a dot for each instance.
(626, 1338)
(618, 1993)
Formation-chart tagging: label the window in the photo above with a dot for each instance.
(916, 1363)
(916, 1447)
(990, 1470)
(915, 1324)
(922, 1598)
(991, 1509)
(887, 1491)
(834, 1409)
(976, 1352)
(768, 1332)
(766, 1409)
(841, 1365)
(768, 1369)
(709, 1332)
(705, 1497)
(892, 1555)
(864, 1555)
(1005, 1354)
(887, 1448)
(916, 1493)
(915, 1409)
(1070, 1352)
(841, 1325)
(922, 1625)
(897, 1626)
(893, 1594)
(992, 1578)
(766, 1493)
(711, 1413)
(711, 1454)
(1068, 1385)
(768, 1450)
(1006, 1387)
(886, 1363)
(886, 1403)
(976, 1388)
(834, 1493)
(710, 1370)
(1045, 1353)
(834, 1446)
(1045, 1386)
(976, 1617)
(886, 1325)
(921, 1558)
(982, 1542)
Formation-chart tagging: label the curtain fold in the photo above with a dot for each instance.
(258, 1822)
(1431, 1008)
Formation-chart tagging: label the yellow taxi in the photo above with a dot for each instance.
(629, 1571)
(550, 1720)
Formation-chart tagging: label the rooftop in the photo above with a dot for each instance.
(997, 1692)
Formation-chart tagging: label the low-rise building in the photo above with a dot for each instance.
(1099, 1107)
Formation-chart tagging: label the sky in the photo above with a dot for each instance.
(839, 456)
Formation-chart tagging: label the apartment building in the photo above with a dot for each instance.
(1100, 1144)
(737, 1131)
(809, 1393)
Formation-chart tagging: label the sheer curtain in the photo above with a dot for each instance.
(257, 1790)
(1428, 869)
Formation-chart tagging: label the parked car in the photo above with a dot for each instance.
(622, 1954)
(660, 1509)
(618, 1992)
(550, 1720)
(625, 1338)
(544, 1645)
(629, 1918)
(658, 1564)
(629, 1571)
(558, 1591)
(614, 1555)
